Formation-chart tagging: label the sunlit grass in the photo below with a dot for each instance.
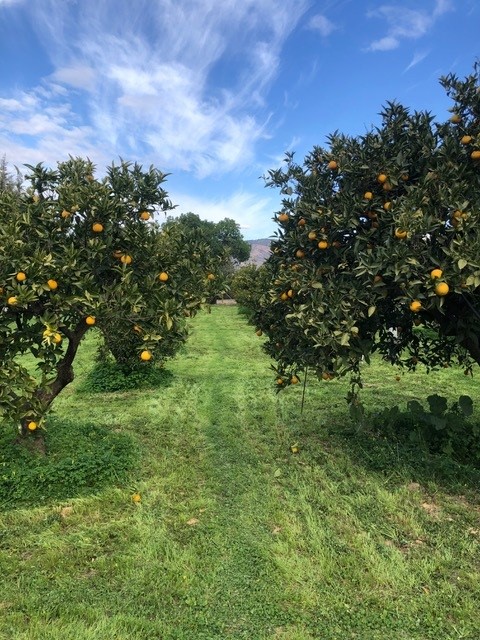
(236, 536)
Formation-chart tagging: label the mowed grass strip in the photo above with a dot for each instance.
(238, 537)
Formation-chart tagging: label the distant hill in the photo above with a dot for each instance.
(260, 251)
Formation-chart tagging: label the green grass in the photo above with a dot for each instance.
(355, 537)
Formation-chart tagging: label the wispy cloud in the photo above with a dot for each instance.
(322, 24)
(418, 56)
(404, 23)
(144, 75)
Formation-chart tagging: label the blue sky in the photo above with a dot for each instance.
(215, 91)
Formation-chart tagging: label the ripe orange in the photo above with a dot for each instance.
(332, 165)
(387, 206)
(146, 355)
(136, 498)
(32, 425)
(455, 119)
(65, 214)
(136, 328)
(387, 186)
(442, 289)
(323, 244)
(294, 380)
(259, 332)
(117, 254)
(382, 178)
(466, 139)
(52, 284)
(302, 222)
(279, 381)
(290, 293)
(404, 176)
(415, 306)
(475, 155)
(312, 235)
(283, 217)
(163, 277)
(436, 273)
(12, 301)
(145, 215)
(300, 253)
(377, 278)
(326, 376)
(211, 276)
(368, 195)
(126, 259)
(57, 338)
(97, 227)
(284, 296)
(400, 234)
(90, 320)
(21, 277)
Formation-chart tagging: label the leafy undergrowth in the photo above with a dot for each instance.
(108, 376)
(349, 535)
(81, 459)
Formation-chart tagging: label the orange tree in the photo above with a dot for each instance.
(77, 252)
(247, 286)
(378, 246)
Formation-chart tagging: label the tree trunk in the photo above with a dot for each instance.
(65, 375)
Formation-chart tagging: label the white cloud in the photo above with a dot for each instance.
(417, 58)
(404, 23)
(149, 74)
(322, 24)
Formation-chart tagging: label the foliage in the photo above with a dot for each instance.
(247, 286)
(378, 236)
(8, 181)
(77, 252)
(226, 244)
(82, 459)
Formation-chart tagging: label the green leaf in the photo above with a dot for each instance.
(371, 310)
(465, 404)
(462, 263)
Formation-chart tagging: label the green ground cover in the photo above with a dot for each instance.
(355, 536)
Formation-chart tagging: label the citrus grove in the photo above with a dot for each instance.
(378, 246)
(78, 253)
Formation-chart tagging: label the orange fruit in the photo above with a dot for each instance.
(455, 118)
(117, 253)
(290, 293)
(436, 273)
(12, 301)
(136, 328)
(404, 176)
(377, 278)
(387, 206)
(283, 217)
(52, 284)
(466, 139)
(145, 215)
(65, 213)
(126, 259)
(284, 296)
(312, 235)
(90, 320)
(441, 289)
(415, 306)
(57, 338)
(326, 376)
(136, 498)
(163, 277)
(332, 165)
(97, 227)
(211, 276)
(259, 332)
(382, 178)
(368, 195)
(323, 244)
(302, 222)
(32, 425)
(294, 380)
(475, 155)
(146, 355)
(279, 381)
(400, 234)
(300, 253)
(387, 186)
(21, 277)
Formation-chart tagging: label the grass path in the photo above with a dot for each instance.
(236, 537)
